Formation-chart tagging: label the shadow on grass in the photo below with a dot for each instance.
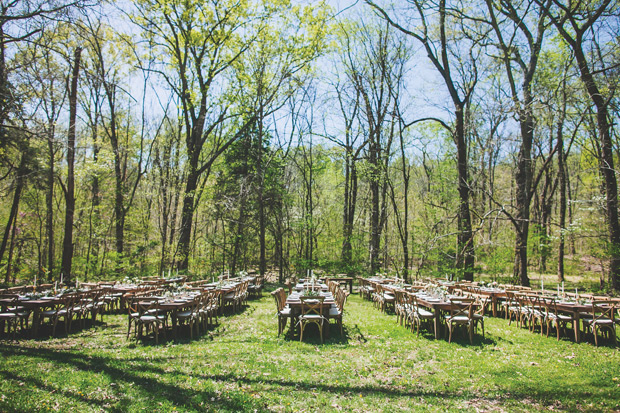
(45, 330)
(153, 390)
(156, 389)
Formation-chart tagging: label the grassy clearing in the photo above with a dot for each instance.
(243, 366)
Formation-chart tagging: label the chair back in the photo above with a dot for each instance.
(549, 305)
(311, 305)
(282, 298)
(602, 310)
(276, 296)
(481, 304)
(462, 307)
(147, 305)
(341, 298)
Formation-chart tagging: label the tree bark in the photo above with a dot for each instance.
(562, 182)
(11, 222)
(375, 202)
(261, 189)
(49, 202)
(67, 250)
(523, 180)
(465, 258)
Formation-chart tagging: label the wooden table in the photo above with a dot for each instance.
(295, 305)
(302, 286)
(437, 306)
(342, 278)
(574, 309)
(495, 294)
(176, 304)
(36, 306)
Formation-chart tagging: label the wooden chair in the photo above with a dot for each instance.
(511, 307)
(536, 312)
(282, 312)
(209, 308)
(150, 316)
(336, 310)
(400, 306)
(366, 289)
(602, 318)
(12, 314)
(461, 314)
(63, 310)
(230, 299)
(523, 311)
(311, 313)
(133, 314)
(255, 289)
(480, 308)
(420, 315)
(191, 316)
(553, 316)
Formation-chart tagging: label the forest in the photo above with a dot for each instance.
(422, 138)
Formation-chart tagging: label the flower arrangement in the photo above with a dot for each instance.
(131, 281)
(312, 293)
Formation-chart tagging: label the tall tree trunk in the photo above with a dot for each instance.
(95, 214)
(523, 180)
(349, 209)
(562, 181)
(261, 189)
(49, 202)
(465, 258)
(187, 216)
(119, 207)
(345, 254)
(240, 227)
(375, 202)
(11, 222)
(67, 245)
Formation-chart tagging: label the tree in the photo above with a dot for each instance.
(519, 33)
(108, 54)
(574, 21)
(202, 42)
(374, 69)
(458, 68)
(270, 73)
(20, 21)
(67, 244)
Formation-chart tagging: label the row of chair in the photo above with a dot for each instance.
(530, 311)
(70, 307)
(146, 313)
(236, 298)
(467, 311)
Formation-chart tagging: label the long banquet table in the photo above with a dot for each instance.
(294, 303)
(34, 305)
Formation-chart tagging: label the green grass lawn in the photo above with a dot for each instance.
(242, 365)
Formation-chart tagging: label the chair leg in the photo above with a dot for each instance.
(595, 331)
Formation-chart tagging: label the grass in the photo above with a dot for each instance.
(242, 365)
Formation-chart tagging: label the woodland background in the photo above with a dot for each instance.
(442, 138)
